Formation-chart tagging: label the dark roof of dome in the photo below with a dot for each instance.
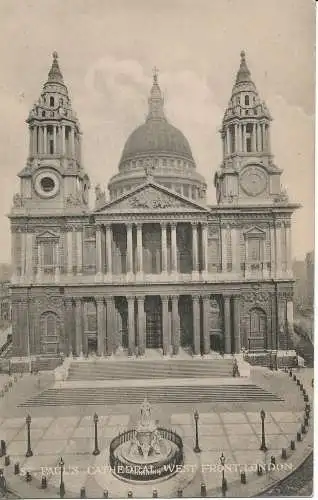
(156, 135)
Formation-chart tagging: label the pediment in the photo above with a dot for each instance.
(47, 235)
(151, 198)
(255, 232)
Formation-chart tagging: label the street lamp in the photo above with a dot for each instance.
(29, 452)
(96, 450)
(196, 419)
(263, 444)
(62, 487)
(224, 482)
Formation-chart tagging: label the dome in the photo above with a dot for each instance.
(161, 148)
(156, 137)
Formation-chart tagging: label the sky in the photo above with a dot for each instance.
(107, 49)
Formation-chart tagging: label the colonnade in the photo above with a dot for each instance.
(278, 258)
(107, 328)
(237, 133)
(54, 139)
(198, 230)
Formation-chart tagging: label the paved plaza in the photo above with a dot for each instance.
(69, 432)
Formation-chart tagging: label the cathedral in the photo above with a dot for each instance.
(153, 265)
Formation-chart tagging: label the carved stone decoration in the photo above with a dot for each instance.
(18, 201)
(153, 199)
(255, 296)
(74, 200)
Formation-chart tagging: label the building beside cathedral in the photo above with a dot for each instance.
(153, 264)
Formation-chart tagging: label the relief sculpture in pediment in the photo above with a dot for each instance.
(153, 200)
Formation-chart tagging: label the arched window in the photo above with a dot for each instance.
(51, 102)
(50, 333)
(247, 100)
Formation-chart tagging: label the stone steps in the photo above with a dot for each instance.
(157, 395)
(112, 370)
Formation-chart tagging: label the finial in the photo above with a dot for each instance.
(155, 72)
(55, 55)
(243, 55)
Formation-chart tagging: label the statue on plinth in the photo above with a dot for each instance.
(145, 412)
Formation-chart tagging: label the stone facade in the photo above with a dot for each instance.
(155, 266)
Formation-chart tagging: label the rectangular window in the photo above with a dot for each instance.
(48, 257)
(254, 250)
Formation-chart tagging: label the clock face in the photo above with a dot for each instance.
(253, 181)
(46, 184)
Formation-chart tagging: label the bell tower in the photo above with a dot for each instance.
(54, 178)
(247, 173)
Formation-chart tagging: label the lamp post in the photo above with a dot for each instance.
(62, 487)
(196, 420)
(96, 450)
(29, 452)
(263, 444)
(224, 483)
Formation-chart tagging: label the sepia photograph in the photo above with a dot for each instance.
(157, 248)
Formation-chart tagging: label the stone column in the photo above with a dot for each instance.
(223, 249)
(288, 248)
(165, 325)
(174, 255)
(244, 138)
(268, 139)
(79, 252)
(57, 261)
(131, 325)
(195, 250)
(240, 138)
(175, 324)
(40, 262)
(140, 269)
(54, 140)
(141, 325)
(259, 137)
(237, 323)
(98, 252)
(129, 249)
(78, 327)
(72, 142)
(236, 138)
(227, 325)
(228, 143)
(69, 325)
(196, 324)
(44, 139)
(253, 141)
(278, 240)
(109, 336)
(206, 325)
(69, 252)
(109, 263)
(273, 251)
(63, 139)
(29, 253)
(205, 247)
(235, 240)
(100, 325)
(164, 248)
(23, 254)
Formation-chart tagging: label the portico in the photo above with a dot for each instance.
(144, 247)
(167, 322)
